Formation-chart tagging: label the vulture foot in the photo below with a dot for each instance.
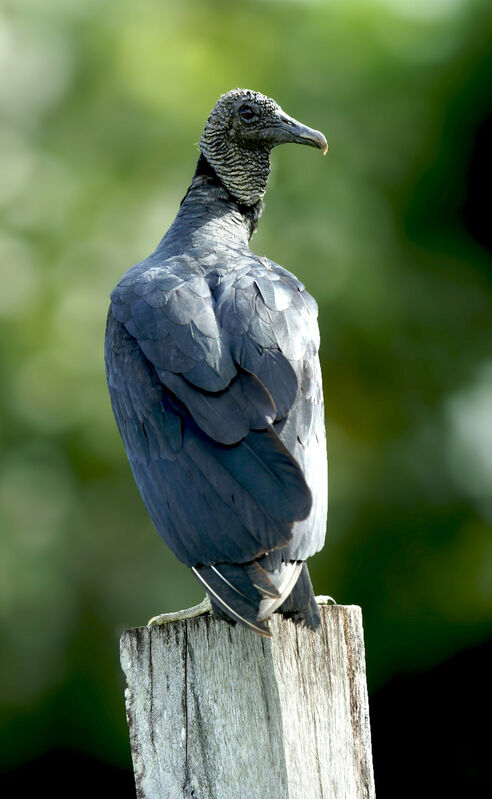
(323, 599)
(181, 615)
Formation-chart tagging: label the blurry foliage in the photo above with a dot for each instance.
(101, 106)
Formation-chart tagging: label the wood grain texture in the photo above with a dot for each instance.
(216, 712)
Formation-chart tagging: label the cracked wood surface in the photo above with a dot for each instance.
(216, 712)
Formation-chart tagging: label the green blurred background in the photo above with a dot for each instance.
(101, 106)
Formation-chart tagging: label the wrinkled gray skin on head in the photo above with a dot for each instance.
(240, 132)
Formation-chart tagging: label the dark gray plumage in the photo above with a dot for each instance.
(215, 383)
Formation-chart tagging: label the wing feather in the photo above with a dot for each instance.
(208, 376)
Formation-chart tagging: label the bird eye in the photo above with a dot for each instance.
(246, 113)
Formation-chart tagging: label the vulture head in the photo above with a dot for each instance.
(241, 130)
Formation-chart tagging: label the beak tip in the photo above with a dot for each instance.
(325, 148)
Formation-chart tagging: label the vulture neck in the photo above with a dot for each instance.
(208, 212)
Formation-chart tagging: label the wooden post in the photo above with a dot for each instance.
(216, 712)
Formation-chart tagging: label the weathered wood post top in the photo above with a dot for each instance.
(216, 712)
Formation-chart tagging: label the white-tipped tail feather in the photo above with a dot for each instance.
(284, 580)
(232, 613)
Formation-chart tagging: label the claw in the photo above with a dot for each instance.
(324, 599)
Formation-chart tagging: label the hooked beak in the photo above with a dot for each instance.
(290, 130)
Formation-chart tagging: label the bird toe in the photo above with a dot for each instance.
(181, 615)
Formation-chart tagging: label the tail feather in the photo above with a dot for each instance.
(262, 580)
(229, 598)
(249, 593)
(284, 579)
(300, 605)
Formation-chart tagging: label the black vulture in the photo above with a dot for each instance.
(213, 372)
